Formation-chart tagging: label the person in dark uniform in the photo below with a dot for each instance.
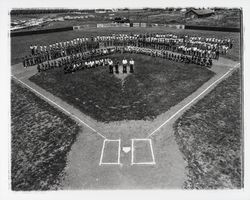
(217, 54)
(210, 61)
(25, 61)
(117, 67)
(207, 63)
(60, 63)
(174, 59)
(38, 68)
(199, 60)
(178, 58)
(66, 69)
(52, 65)
(192, 59)
(187, 60)
(202, 63)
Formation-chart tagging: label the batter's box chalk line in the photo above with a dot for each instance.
(106, 142)
(133, 150)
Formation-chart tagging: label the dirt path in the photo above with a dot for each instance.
(83, 169)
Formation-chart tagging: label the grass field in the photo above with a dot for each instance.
(156, 85)
(41, 139)
(20, 45)
(210, 137)
(209, 134)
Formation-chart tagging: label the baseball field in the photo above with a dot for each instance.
(168, 125)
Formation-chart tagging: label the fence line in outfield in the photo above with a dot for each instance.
(128, 25)
(108, 25)
(213, 28)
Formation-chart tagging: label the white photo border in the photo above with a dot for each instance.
(6, 193)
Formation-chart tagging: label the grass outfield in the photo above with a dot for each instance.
(20, 45)
(41, 139)
(156, 85)
(210, 137)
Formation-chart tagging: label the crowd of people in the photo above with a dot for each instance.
(74, 61)
(183, 48)
(194, 59)
(88, 60)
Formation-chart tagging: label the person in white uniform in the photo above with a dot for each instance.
(131, 64)
(124, 64)
(110, 62)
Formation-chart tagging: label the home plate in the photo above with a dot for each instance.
(126, 149)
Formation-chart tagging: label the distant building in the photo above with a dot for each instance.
(121, 20)
(199, 13)
(100, 11)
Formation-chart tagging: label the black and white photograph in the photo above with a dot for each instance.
(125, 97)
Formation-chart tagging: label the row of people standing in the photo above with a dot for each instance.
(74, 59)
(187, 44)
(94, 59)
(203, 61)
(86, 64)
(70, 67)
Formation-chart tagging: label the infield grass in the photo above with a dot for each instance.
(156, 85)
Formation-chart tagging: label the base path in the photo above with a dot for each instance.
(83, 170)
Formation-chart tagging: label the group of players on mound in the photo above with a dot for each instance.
(81, 53)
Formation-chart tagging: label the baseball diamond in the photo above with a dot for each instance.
(126, 108)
